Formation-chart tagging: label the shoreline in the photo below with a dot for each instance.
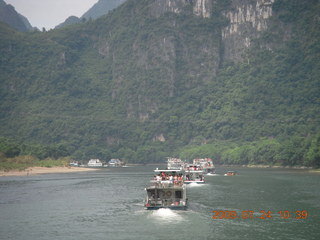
(267, 166)
(309, 169)
(44, 170)
(31, 171)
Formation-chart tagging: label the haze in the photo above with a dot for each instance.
(50, 13)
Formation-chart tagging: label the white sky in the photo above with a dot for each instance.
(50, 13)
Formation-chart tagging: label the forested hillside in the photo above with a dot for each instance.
(152, 80)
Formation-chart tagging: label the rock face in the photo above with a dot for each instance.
(178, 60)
(203, 8)
(247, 20)
(159, 7)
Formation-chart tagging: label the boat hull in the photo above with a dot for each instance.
(198, 182)
(167, 207)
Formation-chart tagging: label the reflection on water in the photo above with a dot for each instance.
(108, 204)
(166, 216)
(191, 185)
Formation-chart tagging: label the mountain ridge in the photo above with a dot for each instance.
(102, 7)
(9, 15)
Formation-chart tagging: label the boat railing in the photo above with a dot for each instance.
(166, 183)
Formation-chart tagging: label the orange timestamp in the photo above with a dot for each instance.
(263, 214)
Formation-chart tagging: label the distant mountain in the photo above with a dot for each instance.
(10, 16)
(69, 21)
(101, 8)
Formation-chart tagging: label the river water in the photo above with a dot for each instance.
(108, 204)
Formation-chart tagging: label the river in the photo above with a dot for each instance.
(108, 204)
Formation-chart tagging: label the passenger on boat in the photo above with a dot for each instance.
(152, 197)
(180, 178)
(163, 175)
(158, 178)
(171, 178)
(175, 180)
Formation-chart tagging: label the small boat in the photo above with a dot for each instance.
(115, 163)
(166, 190)
(206, 165)
(230, 173)
(94, 163)
(193, 174)
(74, 164)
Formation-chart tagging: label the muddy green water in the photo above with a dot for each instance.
(108, 204)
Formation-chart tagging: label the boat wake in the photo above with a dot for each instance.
(212, 174)
(166, 215)
(196, 185)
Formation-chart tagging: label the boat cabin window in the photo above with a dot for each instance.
(151, 193)
(178, 194)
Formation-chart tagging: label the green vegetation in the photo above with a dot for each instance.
(138, 87)
(23, 162)
(21, 156)
(296, 151)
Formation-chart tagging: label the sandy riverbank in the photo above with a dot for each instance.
(44, 170)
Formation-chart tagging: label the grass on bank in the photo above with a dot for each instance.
(21, 163)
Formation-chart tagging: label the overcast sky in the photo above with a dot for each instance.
(50, 13)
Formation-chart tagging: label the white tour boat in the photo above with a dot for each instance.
(175, 164)
(193, 174)
(166, 190)
(94, 163)
(206, 164)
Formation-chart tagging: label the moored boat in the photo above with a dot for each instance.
(166, 190)
(95, 163)
(74, 164)
(115, 163)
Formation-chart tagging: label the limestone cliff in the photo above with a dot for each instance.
(203, 8)
(159, 7)
(247, 19)
(177, 57)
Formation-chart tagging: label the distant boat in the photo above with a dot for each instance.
(193, 174)
(206, 164)
(115, 163)
(74, 164)
(175, 164)
(230, 173)
(95, 163)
